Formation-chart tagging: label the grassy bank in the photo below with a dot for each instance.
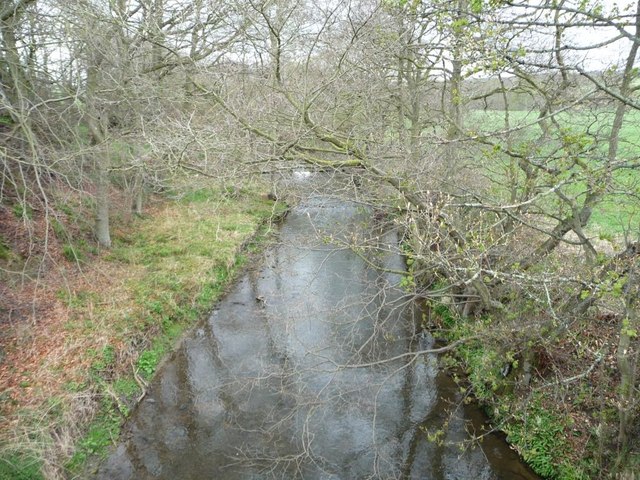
(560, 420)
(71, 377)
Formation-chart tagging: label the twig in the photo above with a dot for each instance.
(446, 348)
(599, 358)
(140, 381)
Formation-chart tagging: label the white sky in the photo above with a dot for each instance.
(606, 56)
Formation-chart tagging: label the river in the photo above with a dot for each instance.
(288, 378)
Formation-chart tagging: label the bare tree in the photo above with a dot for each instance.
(483, 126)
(538, 175)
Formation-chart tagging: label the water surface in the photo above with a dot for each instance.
(288, 379)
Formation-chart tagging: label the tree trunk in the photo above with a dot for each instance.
(138, 191)
(627, 357)
(102, 204)
(20, 88)
(454, 110)
(97, 129)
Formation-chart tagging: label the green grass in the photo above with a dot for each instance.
(616, 214)
(23, 211)
(539, 434)
(20, 466)
(126, 387)
(102, 432)
(6, 120)
(199, 195)
(581, 135)
(78, 299)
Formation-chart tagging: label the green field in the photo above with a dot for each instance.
(575, 148)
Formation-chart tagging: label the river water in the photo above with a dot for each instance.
(289, 378)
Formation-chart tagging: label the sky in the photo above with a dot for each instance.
(606, 56)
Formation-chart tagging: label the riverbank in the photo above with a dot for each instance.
(554, 399)
(72, 372)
